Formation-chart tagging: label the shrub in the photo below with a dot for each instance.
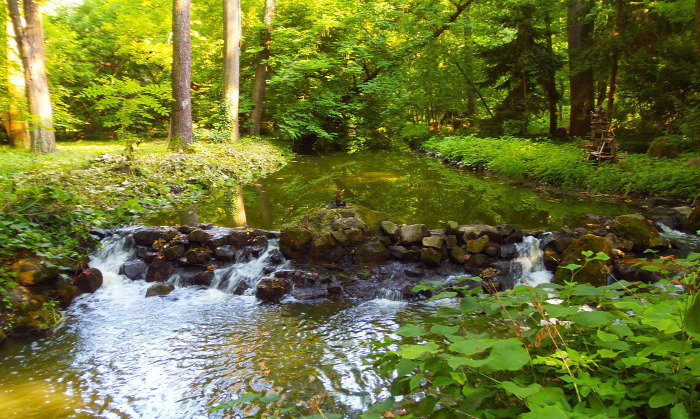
(663, 147)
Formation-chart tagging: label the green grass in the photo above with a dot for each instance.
(563, 165)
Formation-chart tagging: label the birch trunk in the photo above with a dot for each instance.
(232, 64)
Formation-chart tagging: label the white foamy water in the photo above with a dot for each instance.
(531, 259)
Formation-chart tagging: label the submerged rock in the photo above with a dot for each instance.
(272, 290)
(159, 290)
(134, 269)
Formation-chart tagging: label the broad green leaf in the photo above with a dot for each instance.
(447, 312)
(679, 412)
(468, 304)
(457, 361)
(409, 330)
(521, 392)
(469, 346)
(444, 294)
(571, 266)
(508, 354)
(416, 351)
(441, 329)
(692, 317)
(661, 398)
(606, 337)
(559, 311)
(593, 319)
(416, 380)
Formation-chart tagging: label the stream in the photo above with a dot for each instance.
(120, 355)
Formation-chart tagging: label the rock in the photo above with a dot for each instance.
(371, 253)
(89, 280)
(451, 241)
(636, 228)
(198, 236)
(347, 236)
(397, 252)
(451, 228)
(98, 232)
(594, 272)
(198, 256)
(275, 256)
(617, 243)
(390, 229)
(363, 274)
(225, 253)
(474, 231)
(161, 289)
(413, 233)
(325, 247)
(683, 210)
(431, 257)
(477, 245)
(173, 252)
(509, 251)
(159, 270)
(204, 279)
(149, 235)
(458, 255)
(238, 237)
(67, 291)
(414, 272)
(551, 260)
(437, 242)
(556, 242)
(515, 237)
(492, 249)
(627, 272)
(692, 224)
(413, 255)
(372, 219)
(293, 239)
(475, 262)
(215, 241)
(386, 241)
(272, 290)
(32, 271)
(134, 269)
(580, 231)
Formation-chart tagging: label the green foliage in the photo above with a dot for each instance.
(556, 164)
(564, 351)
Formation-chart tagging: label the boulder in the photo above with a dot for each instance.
(617, 243)
(593, 272)
(474, 262)
(492, 249)
(173, 252)
(161, 289)
(477, 245)
(225, 253)
(636, 228)
(397, 252)
(458, 255)
(390, 229)
(413, 233)
(149, 235)
(159, 270)
(198, 236)
(204, 279)
(134, 269)
(32, 271)
(272, 290)
(437, 242)
(692, 223)
(238, 237)
(431, 257)
(451, 228)
(198, 256)
(89, 280)
(347, 236)
(293, 239)
(371, 253)
(474, 231)
(325, 247)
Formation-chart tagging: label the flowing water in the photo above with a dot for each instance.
(409, 187)
(118, 354)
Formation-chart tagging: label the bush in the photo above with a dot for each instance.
(415, 134)
(663, 147)
(552, 351)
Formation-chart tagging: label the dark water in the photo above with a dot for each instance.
(410, 188)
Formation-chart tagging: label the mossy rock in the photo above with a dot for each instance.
(371, 253)
(293, 238)
(595, 272)
(692, 224)
(636, 228)
(663, 147)
(32, 271)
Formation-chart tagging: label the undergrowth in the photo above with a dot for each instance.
(563, 165)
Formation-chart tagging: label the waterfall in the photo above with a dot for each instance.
(111, 256)
(388, 294)
(228, 278)
(531, 259)
(686, 241)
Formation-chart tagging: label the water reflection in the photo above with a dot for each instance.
(408, 187)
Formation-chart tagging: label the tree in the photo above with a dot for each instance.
(29, 35)
(16, 90)
(232, 64)
(181, 114)
(580, 69)
(261, 70)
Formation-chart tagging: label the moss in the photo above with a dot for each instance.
(663, 147)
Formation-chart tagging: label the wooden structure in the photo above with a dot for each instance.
(602, 145)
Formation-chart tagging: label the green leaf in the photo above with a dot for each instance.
(661, 398)
(470, 346)
(441, 329)
(571, 266)
(593, 319)
(606, 337)
(692, 316)
(416, 351)
(416, 380)
(447, 312)
(410, 330)
(457, 361)
(679, 412)
(508, 354)
(521, 392)
(468, 305)
(559, 311)
(444, 294)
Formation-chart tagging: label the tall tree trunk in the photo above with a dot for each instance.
(580, 72)
(550, 81)
(261, 71)
(232, 64)
(469, 68)
(16, 90)
(615, 55)
(181, 113)
(29, 34)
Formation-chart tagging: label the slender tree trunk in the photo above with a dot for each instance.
(580, 71)
(232, 64)
(16, 90)
(261, 71)
(551, 82)
(615, 55)
(181, 113)
(469, 69)
(30, 42)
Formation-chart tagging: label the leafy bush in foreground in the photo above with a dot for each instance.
(622, 350)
